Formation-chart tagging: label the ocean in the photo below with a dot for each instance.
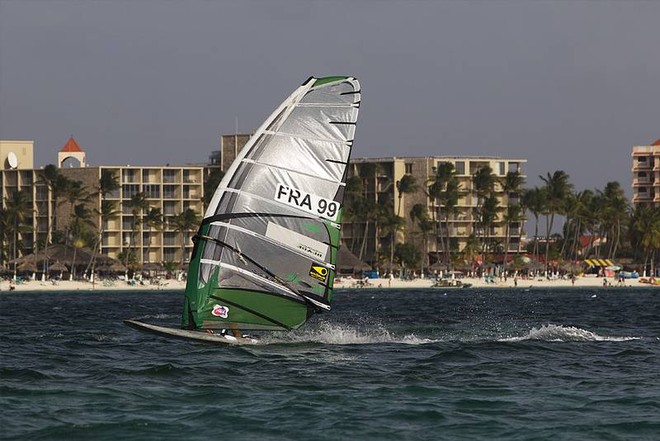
(430, 364)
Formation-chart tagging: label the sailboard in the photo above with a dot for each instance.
(264, 256)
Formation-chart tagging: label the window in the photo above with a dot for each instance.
(169, 176)
(169, 239)
(130, 175)
(459, 166)
(169, 255)
(170, 191)
(409, 168)
(151, 190)
(130, 190)
(170, 208)
(501, 168)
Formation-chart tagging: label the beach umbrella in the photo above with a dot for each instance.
(58, 266)
(390, 266)
(153, 266)
(112, 267)
(27, 267)
(347, 261)
(439, 266)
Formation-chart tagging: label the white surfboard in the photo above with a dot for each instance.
(191, 335)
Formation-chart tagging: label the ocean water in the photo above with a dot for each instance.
(434, 364)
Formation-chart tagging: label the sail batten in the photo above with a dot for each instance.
(265, 254)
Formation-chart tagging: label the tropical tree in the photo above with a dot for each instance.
(137, 204)
(511, 185)
(616, 211)
(534, 201)
(512, 215)
(407, 254)
(420, 216)
(80, 225)
(483, 182)
(645, 233)
(557, 189)
(353, 200)
(108, 183)
(444, 188)
(153, 219)
(16, 212)
(74, 192)
(184, 223)
(211, 183)
(56, 183)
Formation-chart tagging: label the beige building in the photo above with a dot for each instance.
(170, 189)
(646, 175)
(16, 154)
(379, 184)
(230, 146)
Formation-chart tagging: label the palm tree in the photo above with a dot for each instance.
(534, 201)
(56, 184)
(513, 215)
(511, 185)
(483, 182)
(81, 220)
(211, 183)
(645, 233)
(74, 192)
(557, 189)
(153, 219)
(353, 202)
(17, 209)
(444, 188)
(185, 222)
(138, 203)
(108, 182)
(419, 214)
(616, 211)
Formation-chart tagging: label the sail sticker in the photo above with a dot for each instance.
(311, 203)
(220, 311)
(319, 272)
(293, 239)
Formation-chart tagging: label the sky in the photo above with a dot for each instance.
(567, 85)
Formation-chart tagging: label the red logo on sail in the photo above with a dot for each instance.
(220, 311)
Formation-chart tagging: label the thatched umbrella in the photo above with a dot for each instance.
(58, 266)
(439, 266)
(153, 266)
(347, 261)
(390, 266)
(27, 267)
(112, 267)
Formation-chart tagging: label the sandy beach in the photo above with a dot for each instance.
(539, 282)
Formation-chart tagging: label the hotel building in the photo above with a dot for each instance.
(646, 175)
(170, 189)
(379, 178)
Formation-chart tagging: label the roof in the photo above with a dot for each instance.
(71, 146)
(657, 142)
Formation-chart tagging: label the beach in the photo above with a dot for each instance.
(340, 283)
(480, 282)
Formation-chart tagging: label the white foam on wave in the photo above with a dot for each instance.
(565, 333)
(341, 334)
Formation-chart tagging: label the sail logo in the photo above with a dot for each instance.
(319, 272)
(220, 311)
(307, 202)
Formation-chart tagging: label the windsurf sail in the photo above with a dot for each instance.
(264, 257)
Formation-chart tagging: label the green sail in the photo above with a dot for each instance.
(265, 254)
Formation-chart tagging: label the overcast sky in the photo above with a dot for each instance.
(566, 85)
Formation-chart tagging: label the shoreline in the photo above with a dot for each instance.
(340, 283)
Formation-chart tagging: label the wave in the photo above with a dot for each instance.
(566, 334)
(340, 334)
